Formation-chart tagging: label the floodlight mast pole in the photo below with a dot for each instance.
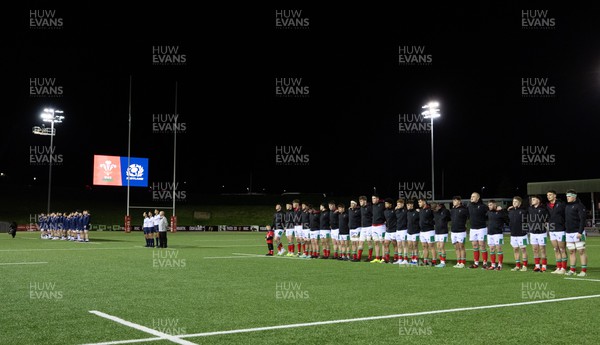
(431, 113)
(50, 163)
(128, 147)
(175, 150)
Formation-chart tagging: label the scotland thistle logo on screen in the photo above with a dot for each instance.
(135, 172)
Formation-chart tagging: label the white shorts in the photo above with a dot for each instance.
(428, 236)
(518, 241)
(354, 235)
(278, 233)
(441, 238)
(343, 237)
(306, 234)
(365, 233)
(389, 236)
(377, 232)
(571, 237)
(495, 240)
(401, 235)
(335, 233)
(324, 233)
(412, 238)
(298, 230)
(314, 235)
(557, 236)
(539, 239)
(289, 232)
(478, 234)
(458, 237)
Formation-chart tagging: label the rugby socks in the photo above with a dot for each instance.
(476, 256)
(484, 254)
(537, 262)
(500, 258)
(583, 268)
(544, 262)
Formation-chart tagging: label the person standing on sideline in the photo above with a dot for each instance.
(441, 217)
(86, 218)
(537, 217)
(575, 215)
(277, 228)
(390, 231)
(556, 229)
(517, 222)
(289, 228)
(378, 227)
(344, 234)
(334, 222)
(155, 221)
(401, 232)
(13, 229)
(497, 218)
(479, 231)
(163, 226)
(366, 221)
(413, 231)
(146, 228)
(458, 217)
(427, 235)
(354, 219)
(269, 238)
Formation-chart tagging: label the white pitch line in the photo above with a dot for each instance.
(161, 335)
(126, 341)
(23, 263)
(369, 318)
(42, 249)
(235, 257)
(591, 280)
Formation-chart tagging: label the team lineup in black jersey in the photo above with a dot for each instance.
(314, 233)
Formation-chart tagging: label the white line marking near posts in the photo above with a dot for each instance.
(591, 280)
(369, 318)
(161, 335)
(22, 263)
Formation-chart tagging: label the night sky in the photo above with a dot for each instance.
(354, 89)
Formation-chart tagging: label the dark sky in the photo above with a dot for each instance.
(348, 122)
